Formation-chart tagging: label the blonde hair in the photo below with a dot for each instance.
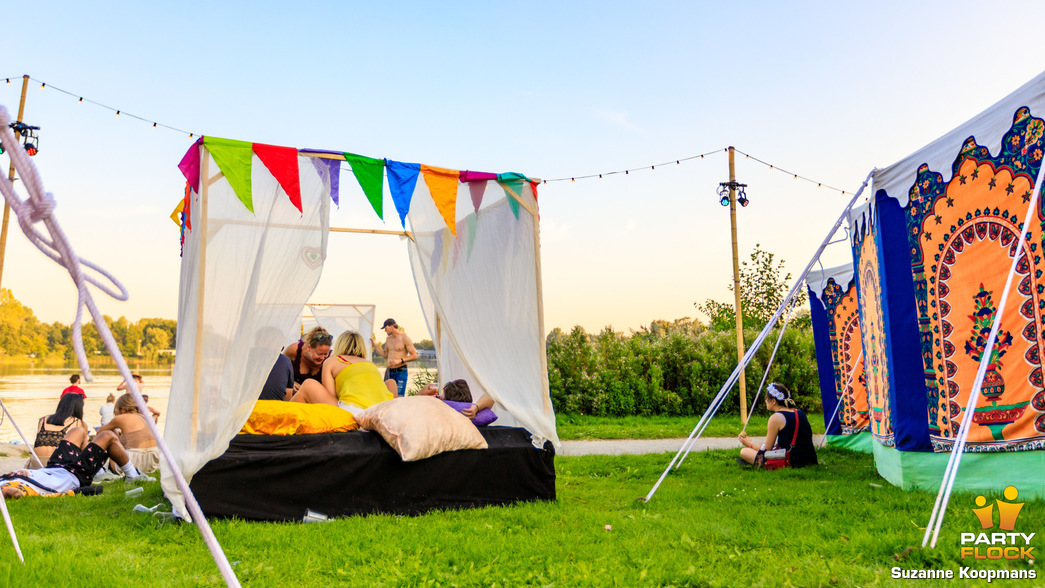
(350, 343)
(110, 398)
(125, 403)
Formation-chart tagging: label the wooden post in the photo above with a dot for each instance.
(540, 308)
(201, 226)
(736, 282)
(11, 178)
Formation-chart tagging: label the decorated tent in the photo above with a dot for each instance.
(256, 221)
(933, 250)
(338, 318)
(839, 356)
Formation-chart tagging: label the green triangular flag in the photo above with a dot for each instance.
(233, 158)
(369, 173)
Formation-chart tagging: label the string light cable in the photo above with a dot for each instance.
(626, 172)
(117, 111)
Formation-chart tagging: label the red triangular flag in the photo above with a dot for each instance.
(282, 163)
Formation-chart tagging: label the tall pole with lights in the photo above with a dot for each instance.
(11, 178)
(728, 197)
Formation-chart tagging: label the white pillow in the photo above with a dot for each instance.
(421, 426)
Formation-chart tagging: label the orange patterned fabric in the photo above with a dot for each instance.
(872, 329)
(850, 383)
(968, 239)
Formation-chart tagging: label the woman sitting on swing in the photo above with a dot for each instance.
(780, 431)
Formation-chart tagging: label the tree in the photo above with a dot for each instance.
(425, 344)
(763, 287)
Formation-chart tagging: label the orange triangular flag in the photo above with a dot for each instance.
(442, 184)
(282, 163)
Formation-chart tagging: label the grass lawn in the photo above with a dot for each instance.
(582, 427)
(710, 524)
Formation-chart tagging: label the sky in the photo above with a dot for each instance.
(826, 90)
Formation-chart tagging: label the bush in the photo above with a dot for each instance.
(673, 371)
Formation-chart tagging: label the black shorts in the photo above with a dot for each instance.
(82, 464)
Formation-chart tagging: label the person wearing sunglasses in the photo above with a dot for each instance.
(307, 355)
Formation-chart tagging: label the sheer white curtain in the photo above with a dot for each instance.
(338, 318)
(480, 295)
(254, 272)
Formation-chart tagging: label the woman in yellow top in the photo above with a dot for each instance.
(350, 381)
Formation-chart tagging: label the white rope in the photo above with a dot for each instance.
(765, 374)
(848, 382)
(38, 207)
(21, 434)
(943, 497)
(10, 527)
(721, 396)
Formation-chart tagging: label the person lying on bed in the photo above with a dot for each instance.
(458, 395)
(69, 467)
(349, 381)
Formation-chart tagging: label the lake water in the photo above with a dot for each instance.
(32, 392)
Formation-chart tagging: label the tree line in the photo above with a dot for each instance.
(23, 335)
(677, 367)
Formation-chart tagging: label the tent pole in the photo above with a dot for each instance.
(540, 309)
(204, 173)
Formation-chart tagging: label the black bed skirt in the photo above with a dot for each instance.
(278, 478)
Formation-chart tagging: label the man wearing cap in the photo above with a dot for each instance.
(398, 351)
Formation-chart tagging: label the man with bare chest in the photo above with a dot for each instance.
(397, 351)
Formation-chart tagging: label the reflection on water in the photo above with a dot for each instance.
(32, 392)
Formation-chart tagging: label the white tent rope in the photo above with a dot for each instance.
(37, 207)
(765, 374)
(720, 397)
(21, 434)
(848, 382)
(10, 527)
(943, 497)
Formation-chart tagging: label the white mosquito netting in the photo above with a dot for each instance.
(245, 277)
(480, 292)
(338, 318)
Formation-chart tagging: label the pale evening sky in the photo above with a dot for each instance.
(827, 90)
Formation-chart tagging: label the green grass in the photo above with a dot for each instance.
(710, 524)
(583, 427)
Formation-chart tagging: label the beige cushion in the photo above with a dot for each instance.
(421, 426)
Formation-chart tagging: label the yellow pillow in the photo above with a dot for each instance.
(276, 417)
(421, 426)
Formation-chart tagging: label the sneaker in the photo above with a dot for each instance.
(140, 479)
(107, 477)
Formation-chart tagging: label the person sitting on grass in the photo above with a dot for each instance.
(69, 467)
(349, 380)
(781, 430)
(135, 435)
(53, 428)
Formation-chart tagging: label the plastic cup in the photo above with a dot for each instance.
(134, 492)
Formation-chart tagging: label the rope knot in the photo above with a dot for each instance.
(38, 209)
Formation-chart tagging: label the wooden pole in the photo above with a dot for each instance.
(202, 228)
(11, 178)
(736, 281)
(546, 397)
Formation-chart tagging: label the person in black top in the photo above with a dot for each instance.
(781, 430)
(307, 355)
